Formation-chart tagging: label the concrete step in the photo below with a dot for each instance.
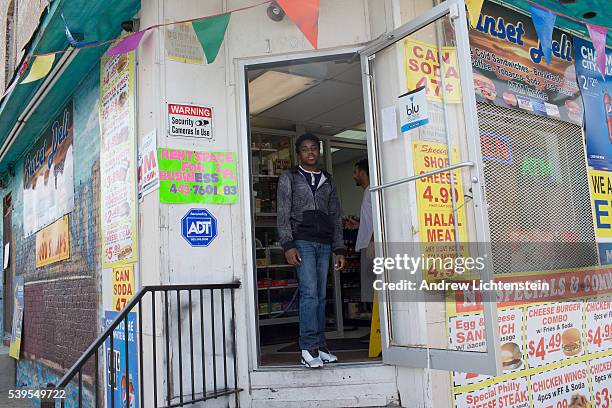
(331, 387)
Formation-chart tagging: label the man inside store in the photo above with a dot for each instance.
(310, 229)
(365, 234)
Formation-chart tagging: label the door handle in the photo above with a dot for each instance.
(420, 176)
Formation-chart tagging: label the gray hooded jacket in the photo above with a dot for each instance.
(307, 216)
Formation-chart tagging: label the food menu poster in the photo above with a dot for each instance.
(188, 176)
(118, 160)
(556, 352)
(510, 69)
(437, 220)
(597, 99)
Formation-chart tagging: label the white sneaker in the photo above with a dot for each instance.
(326, 356)
(309, 361)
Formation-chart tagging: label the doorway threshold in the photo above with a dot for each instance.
(340, 385)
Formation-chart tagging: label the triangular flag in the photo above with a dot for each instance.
(473, 8)
(127, 44)
(598, 38)
(544, 22)
(25, 66)
(70, 37)
(40, 68)
(305, 15)
(211, 32)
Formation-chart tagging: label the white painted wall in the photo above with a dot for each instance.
(166, 258)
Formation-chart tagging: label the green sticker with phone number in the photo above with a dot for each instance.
(188, 176)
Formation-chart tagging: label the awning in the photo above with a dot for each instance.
(578, 10)
(96, 20)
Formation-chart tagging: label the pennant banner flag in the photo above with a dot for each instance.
(544, 22)
(40, 68)
(70, 37)
(211, 32)
(473, 8)
(305, 14)
(598, 38)
(127, 44)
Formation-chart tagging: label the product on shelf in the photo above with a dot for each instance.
(263, 308)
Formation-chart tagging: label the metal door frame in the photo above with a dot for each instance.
(442, 359)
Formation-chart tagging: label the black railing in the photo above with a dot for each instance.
(210, 351)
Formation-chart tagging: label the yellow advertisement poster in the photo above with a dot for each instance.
(118, 165)
(555, 343)
(600, 185)
(423, 68)
(17, 324)
(435, 203)
(53, 243)
(123, 285)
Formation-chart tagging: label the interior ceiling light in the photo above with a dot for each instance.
(352, 134)
(273, 87)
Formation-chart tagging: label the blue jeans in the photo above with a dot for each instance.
(312, 277)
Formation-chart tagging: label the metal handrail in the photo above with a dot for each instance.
(122, 316)
(422, 175)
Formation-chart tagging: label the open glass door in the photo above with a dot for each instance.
(430, 220)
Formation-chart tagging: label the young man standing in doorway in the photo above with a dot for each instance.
(310, 229)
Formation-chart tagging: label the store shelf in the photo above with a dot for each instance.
(278, 320)
(265, 214)
(263, 149)
(291, 285)
(275, 266)
(266, 175)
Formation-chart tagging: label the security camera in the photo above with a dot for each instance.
(275, 12)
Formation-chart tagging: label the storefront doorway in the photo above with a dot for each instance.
(322, 96)
(413, 328)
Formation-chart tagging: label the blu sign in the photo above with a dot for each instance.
(413, 109)
(199, 227)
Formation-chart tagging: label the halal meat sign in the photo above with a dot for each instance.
(190, 121)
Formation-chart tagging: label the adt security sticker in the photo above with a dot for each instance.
(413, 109)
(199, 227)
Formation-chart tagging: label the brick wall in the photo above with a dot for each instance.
(62, 300)
(28, 16)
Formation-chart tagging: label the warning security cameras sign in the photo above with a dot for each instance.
(190, 121)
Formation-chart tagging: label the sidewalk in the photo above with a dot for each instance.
(7, 381)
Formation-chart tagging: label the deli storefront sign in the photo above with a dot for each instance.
(510, 69)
